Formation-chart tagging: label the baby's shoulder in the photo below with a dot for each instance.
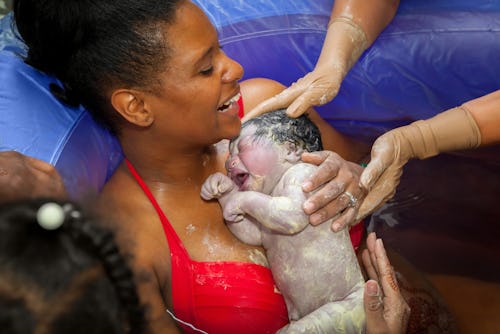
(301, 170)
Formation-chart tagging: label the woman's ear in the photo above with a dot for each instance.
(130, 104)
(293, 152)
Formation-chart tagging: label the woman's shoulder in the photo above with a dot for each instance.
(256, 90)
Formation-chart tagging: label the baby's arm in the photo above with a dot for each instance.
(221, 187)
(282, 210)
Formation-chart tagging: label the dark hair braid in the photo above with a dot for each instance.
(102, 242)
(55, 276)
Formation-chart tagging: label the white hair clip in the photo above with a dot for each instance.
(50, 216)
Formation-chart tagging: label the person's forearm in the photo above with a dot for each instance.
(371, 15)
(353, 26)
(280, 214)
(486, 112)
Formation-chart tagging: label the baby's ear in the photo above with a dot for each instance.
(293, 152)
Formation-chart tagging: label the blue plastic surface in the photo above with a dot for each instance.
(434, 55)
(34, 122)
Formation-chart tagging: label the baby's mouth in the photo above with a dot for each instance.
(229, 102)
(239, 179)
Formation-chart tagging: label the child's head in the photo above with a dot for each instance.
(267, 146)
(279, 128)
(70, 278)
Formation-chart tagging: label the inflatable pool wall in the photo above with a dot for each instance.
(434, 55)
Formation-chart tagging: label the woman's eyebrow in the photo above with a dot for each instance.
(205, 55)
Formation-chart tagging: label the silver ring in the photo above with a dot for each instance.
(352, 200)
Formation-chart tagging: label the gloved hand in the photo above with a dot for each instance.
(454, 129)
(344, 43)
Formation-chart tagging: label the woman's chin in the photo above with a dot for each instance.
(232, 130)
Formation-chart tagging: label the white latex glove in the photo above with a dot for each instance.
(454, 129)
(344, 43)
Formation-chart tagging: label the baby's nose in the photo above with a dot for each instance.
(232, 162)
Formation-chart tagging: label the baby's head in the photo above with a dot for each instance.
(60, 272)
(267, 146)
(279, 128)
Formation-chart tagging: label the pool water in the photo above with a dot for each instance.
(445, 219)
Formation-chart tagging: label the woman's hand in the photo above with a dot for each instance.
(390, 153)
(454, 129)
(25, 177)
(338, 195)
(344, 42)
(386, 310)
(314, 89)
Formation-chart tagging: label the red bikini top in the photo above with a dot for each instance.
(219, 297)
(222, 297)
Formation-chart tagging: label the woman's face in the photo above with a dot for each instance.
(196, 104)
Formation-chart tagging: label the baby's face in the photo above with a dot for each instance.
(254, 164)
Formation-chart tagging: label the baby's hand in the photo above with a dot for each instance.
(232, 207)
(216, 185)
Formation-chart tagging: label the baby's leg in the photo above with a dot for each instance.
(346, 316)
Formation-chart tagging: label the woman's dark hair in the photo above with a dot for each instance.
(95, 46)
(72, 279)
(280, 128)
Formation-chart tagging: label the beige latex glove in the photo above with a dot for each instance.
(454, 129)
(344, 43)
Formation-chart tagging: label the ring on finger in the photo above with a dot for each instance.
(352, 200)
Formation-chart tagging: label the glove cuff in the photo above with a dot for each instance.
(344, 43)
(454, 129)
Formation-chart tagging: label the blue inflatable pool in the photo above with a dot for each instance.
(433, 56)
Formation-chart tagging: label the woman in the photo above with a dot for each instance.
(154, 74)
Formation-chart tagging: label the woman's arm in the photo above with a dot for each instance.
(354, 25)
(475, 123)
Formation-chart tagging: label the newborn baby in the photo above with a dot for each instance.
(315, 269)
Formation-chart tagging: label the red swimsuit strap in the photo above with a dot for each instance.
(241, 112)
(174, 243)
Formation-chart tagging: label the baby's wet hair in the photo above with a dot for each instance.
(63, 275)
(280, 128)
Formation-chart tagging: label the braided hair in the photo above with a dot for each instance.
(67, 279)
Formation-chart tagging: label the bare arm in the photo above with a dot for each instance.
(385, 308)
(281, 212)
(372, 16)
(25, 177)
(486, 112)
